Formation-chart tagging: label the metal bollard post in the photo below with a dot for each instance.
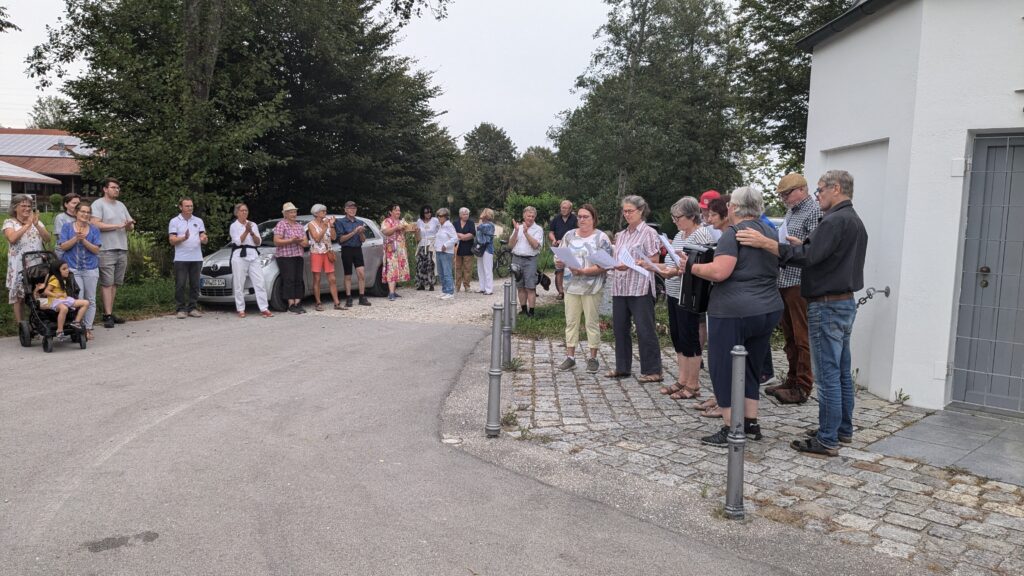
(494, 385)
(737, 438)
(506, 325)
(514, 312)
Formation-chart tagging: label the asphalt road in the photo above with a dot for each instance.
(294, 445)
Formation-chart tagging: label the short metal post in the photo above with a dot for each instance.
(494, 385)
(514, 312)
(737, 437)
(506, 325)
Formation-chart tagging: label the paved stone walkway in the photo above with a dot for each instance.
(945, 520)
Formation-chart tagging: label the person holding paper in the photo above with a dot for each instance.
(633, 295)
(744, 308)
(684, 326)
(526, 240)
(583, 286)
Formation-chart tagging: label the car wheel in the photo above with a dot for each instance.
(277, 302)
(380, 287)
(25, 333)
(47, 344)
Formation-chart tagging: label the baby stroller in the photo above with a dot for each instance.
(42, 321)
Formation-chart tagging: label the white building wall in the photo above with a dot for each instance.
(922, 76)
(5, 193)
(972, 61)
(860, 119)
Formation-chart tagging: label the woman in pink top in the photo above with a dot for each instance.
(289, 240)
(633, 295)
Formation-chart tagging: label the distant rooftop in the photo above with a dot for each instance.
(35, 143)
(13, 173)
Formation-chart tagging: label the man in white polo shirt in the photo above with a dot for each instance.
(526, 240)
(187, 234)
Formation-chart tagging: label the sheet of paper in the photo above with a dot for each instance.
(626, 259)
(671, 251)
(783, 233)
(564, 253)
(600, 257)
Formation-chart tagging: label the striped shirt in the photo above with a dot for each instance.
(643, 241)
(801, 220)
(702, 235)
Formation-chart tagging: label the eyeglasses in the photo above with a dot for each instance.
(628, 210)
(787, 193)
(820, 189)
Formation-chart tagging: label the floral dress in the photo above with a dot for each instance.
(396, 259)
(31, 241)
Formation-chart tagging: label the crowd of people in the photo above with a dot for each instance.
(802, 278)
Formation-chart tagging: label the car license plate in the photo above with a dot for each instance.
(214, 282)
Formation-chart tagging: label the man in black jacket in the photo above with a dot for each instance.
(832, 259)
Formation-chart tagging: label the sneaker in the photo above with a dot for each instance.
(567, 364)
(391, 297)
(447, 296)
(294, 309)
(195, 313)
(593, 366)
(766, 379)
(363, 301)
(397, 295)
(720, 438)
(108, 321)
(348, 302)
(811, 445)
(117, 319)
(180, 316)
(843, 439)
(752, 429)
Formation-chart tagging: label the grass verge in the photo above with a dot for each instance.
(548, 323)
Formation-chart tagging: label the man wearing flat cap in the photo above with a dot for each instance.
(802, 216)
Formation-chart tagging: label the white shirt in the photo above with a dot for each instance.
(427, 230)
(446, 238)
(523, 247)
(191, 250)
(235, 232)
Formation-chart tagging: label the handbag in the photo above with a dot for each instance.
(332, 256)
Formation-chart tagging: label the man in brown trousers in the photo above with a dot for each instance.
(802, 216)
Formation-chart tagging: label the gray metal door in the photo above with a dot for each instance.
(988, 364)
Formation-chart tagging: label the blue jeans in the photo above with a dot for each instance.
(829, 326)
(446, 271)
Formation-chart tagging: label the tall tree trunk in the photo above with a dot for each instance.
(202, 26)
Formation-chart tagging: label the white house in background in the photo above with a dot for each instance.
(923, 102)
(9, 174)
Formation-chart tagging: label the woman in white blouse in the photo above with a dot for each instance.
(426, 229)
(245, 238)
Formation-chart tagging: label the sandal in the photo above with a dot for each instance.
(614, 374)
(673, 389)
(686, 394)
(338, 306)
(812, 446)
(715, 412)
(319, 307)
(705, 405)
(241, 314)
(650, 378)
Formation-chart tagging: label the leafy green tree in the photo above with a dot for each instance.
(657, 115)
(537, 171)
(51, 112)
(6, 24)
(773, 75)
(489, 157)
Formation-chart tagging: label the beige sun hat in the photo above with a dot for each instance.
(288, 206)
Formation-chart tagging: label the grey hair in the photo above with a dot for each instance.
(530, 209)
(317, 208)
(687, 207)
(441, 212)
(637, 202)
(236, 208)
(747, 201)
(463, 210)
(15, 200)
(841, 177)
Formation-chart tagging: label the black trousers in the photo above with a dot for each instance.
(628, 310)
(292, 286)
(752, 332)
(186, 284)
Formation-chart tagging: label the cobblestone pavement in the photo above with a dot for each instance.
(943, 519)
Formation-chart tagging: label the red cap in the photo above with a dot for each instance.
(707, 197)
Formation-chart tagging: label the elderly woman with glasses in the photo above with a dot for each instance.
(684, 325)
(744, 309)
(80, 243)
(633, 295)
(24, 233)
(444, 247)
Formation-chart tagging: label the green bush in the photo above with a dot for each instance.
(56, 202)
(546, 205)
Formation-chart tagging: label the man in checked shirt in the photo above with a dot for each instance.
(802, 216)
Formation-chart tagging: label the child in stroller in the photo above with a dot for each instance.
(55, 289)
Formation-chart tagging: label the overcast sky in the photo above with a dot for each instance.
(509, 62)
